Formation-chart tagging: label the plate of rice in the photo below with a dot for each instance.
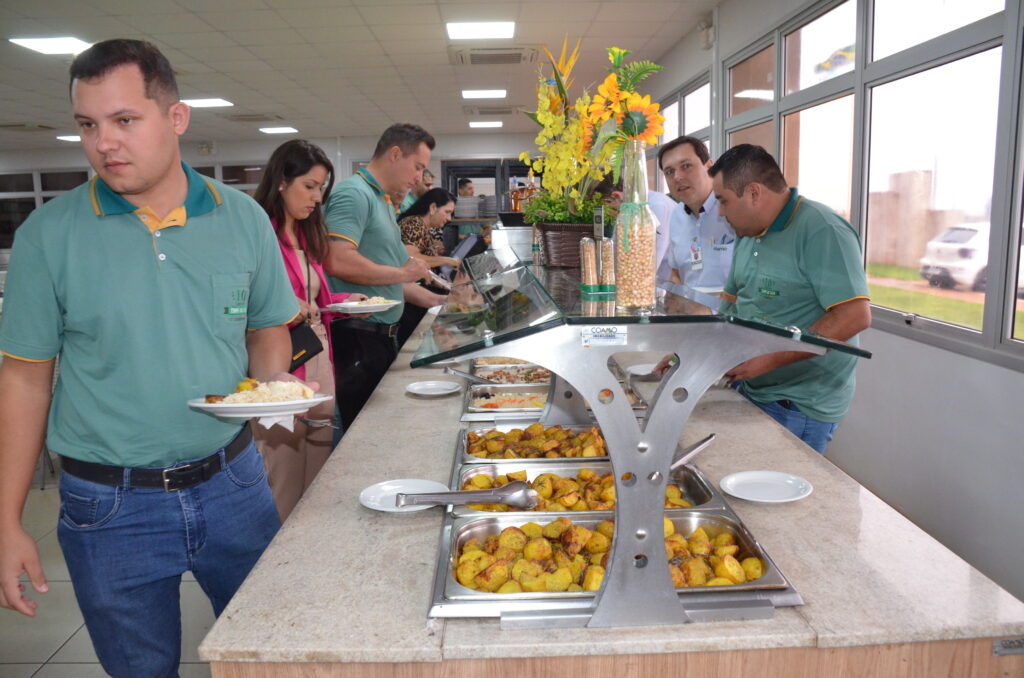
(255, 399)
(371, 305)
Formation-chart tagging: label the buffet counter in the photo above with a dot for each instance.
(344, 590)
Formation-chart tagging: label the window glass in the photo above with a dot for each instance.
(16, 183)
(13, 211)
(1018, 316)
(671, 113)
(761, 134)
(900, 24)
(817, 152)
(822, 49)
(930, 193)
(206, 171)
(62, 181)
(697, 109)
(752, 82)
(242, 174)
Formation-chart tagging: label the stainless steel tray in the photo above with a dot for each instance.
(485, 370)
(518, 414)
(453, 599)
(695, 487)
(463, 457)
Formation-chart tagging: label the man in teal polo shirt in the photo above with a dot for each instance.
(798, 263)
(154, 286)
(367, 256)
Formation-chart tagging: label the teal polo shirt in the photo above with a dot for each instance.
(806, 262)
(145, 315)
(358, 211)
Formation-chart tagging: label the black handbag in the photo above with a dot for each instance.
(305, 342)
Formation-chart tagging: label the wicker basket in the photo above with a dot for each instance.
(561, 243)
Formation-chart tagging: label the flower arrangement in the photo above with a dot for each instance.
(580, 142)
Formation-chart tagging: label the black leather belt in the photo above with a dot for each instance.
(373, 328)
(170, 479)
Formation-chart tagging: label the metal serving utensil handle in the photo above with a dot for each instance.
(458, 498)
(472, 378)
(683, 456)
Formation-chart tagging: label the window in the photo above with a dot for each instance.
(697, 109)
(62, 181)
(822, 49)
(930, 196)
(671, 113)
(207, 171)
(1018, 315)
(817, 152)
(16, 183)
(752, 82)
(900, 24)
(13, 211)
(761, 134)
(242, 175)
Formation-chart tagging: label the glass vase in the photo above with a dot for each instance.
(635, 236)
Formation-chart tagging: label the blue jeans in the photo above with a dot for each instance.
(126, 549)
(815, 433)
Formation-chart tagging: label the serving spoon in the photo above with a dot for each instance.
(516, 493)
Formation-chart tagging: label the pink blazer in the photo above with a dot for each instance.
(296, 275)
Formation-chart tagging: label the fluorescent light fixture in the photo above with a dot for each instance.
(278, 130)
(70, 137)
(484, 93)
(67, 45)
(486, 123)
(765, 94)
(481, 30)
(207, 103)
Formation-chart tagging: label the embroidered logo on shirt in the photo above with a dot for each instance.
(767, 288)
(238, 304)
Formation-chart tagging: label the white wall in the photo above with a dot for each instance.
(937, 435)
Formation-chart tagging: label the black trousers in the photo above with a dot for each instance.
(361, 358)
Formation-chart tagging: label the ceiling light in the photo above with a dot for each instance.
(486, 123)
(765, 94)
(206, 103)
(278, 130)
(481, 30)
(70, 137)
(484, 93)
(66, 45)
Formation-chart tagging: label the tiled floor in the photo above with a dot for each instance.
(55, 644)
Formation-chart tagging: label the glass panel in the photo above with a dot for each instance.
(1018, 316)
(929, 202)
(697, 109)
(761, 134)
(16, 183)
(817, 152)
(752, 82)
(13, 211)
(652, 173)
(671, 113)
(242, 174)
(900, 24)
(62, 181)
(206, 171)
(821, 49)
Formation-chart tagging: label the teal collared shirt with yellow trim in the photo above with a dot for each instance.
(145, 314)
(807, 261)
(359, 212)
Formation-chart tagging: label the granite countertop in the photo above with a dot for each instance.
(342, 583)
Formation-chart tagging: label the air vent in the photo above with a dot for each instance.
(254, 117)
(491, 110)
(492, 56)
(25, 127)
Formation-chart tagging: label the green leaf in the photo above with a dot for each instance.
(533, 116)
(633, 74)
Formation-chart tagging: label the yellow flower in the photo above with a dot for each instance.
(642, 120)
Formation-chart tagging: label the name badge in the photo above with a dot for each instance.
(696, 258)
(603, 335)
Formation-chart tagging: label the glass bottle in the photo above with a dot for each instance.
(635, 236)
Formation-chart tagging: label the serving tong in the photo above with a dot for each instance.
(471, 378)
(516, 493)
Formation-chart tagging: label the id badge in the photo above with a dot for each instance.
(696, 258)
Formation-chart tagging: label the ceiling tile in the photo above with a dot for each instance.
(332, 35)
(413, 32)
(479, 11)
(321, 17)
(179, 22)
(187, 41)
(277, 36)
(254, 20)
(379, 14)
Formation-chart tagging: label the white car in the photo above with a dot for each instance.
(959, 256)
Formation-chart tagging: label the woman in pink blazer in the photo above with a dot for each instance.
(296, 178)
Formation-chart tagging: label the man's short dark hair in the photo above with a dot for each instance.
(698, 147)
(744, 164)
(105, 56)
(406, 136)
(464, 182)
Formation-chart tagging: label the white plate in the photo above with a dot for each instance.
(251, 410)
(771, 487)
(381, 497)
(642, 368)
(357, 307)
(433, 389)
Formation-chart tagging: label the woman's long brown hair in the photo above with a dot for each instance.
(291, 160)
